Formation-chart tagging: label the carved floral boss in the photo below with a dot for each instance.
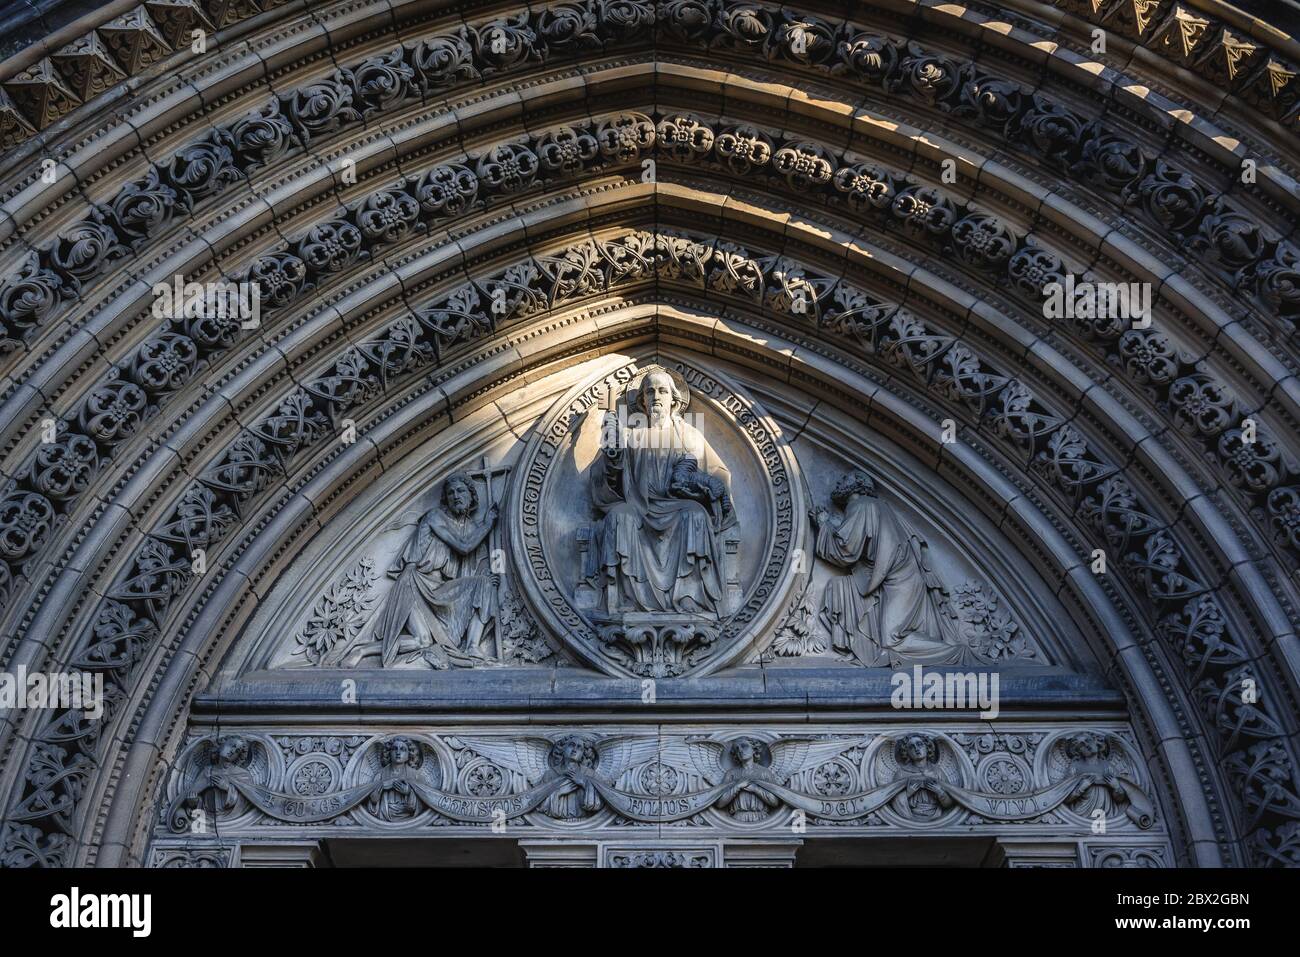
(912, 778)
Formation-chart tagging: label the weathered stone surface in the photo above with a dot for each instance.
(670, 435)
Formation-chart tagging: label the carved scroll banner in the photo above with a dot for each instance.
(1031, 804)
(666, 808)
(474, 810)
(1139, 808)
(847, 807)
(301, 810)
(659, 809)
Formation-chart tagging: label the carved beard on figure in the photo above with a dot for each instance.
(658, 548)
(658, 403)
(459, 506)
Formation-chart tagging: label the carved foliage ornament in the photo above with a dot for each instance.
(171, 358)
(174, 355)
(1228, 58)
(1066, 141)
(205, 168)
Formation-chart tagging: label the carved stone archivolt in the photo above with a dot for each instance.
(731, 272)
(524, 290)
(476, 246)
(1222, 50)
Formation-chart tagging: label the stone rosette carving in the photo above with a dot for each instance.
(1128, 857)
(659, 857)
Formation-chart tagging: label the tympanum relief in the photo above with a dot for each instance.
(443, 600)
(884, 604)
(660, 559)
(663, 496)
(656, 522)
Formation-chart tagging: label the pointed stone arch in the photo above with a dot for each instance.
(796, 218)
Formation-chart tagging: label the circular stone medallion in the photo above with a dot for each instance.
(658, 521)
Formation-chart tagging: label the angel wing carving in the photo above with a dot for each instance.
(203, 772)
(616, 754)
(198, 766)
(706, 756)
(527, 756)
(792, 755)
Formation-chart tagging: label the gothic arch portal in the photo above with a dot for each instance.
(976, 352)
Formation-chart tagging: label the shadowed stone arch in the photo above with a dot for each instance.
(271, 540)
(843, 263)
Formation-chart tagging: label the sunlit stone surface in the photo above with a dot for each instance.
(649, 434)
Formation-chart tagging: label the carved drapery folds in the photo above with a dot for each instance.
(668, 570)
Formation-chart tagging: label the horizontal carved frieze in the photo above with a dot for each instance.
(1073, 780)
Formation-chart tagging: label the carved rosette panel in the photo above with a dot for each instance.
(182, 856)
(684, 857)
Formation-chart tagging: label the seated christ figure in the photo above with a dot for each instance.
(664, 497)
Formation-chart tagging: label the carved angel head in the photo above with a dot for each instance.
(747, 752)
(232, 750)
(572, 750)
(853, 483)
(459, 496)
(1087, 746)
(401, 752)
(916, 750)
